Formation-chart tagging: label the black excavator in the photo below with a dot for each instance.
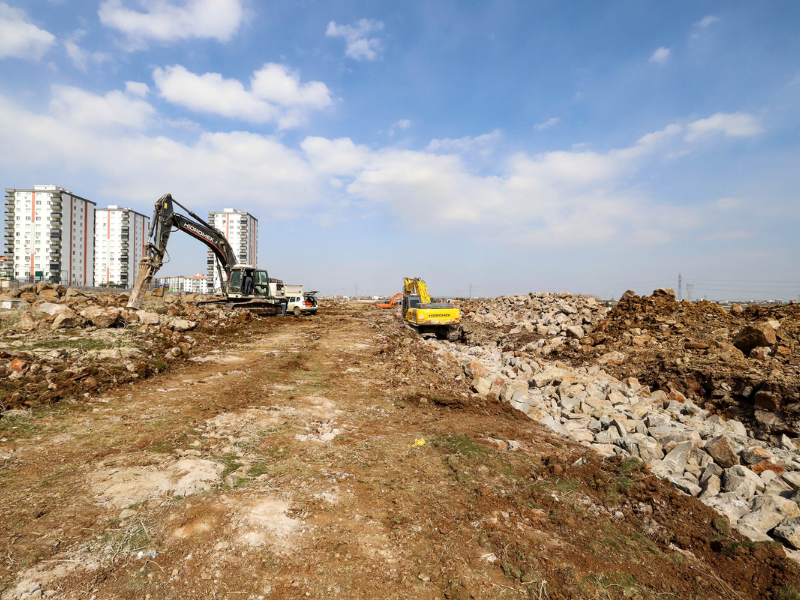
(243, 286)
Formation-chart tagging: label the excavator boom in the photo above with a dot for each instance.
(164, 219)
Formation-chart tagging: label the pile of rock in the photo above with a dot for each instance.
(64, 342)
(551, 319)
(754, 485)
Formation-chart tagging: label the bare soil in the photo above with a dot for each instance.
(337, 456)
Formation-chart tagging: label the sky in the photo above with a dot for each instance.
(496, 147)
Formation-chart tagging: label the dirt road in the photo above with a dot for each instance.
(339, 457)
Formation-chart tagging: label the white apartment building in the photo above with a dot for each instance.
(120, 235)
(241, 230)
(196, 284)
(50, 235)
(176, 283)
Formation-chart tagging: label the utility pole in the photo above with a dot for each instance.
(680, 290)
(470, 292)
(689, 287)
(356, 291)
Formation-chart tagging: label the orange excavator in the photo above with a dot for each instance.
(395, 301)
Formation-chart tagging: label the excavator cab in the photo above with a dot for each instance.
(247, 282)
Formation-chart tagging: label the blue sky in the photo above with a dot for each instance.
(522, 146)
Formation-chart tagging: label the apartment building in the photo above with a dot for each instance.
(49, 235)
(120, 235)
(176, 283)
(241, 230)
(196, 284)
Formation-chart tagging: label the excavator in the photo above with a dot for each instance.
(395, 301)
(243, 286)
(442, 319)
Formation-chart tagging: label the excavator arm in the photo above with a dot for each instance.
(164, 219)
(417, 287)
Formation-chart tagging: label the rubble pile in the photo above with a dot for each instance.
(58, 342)
(745, 363)
(756, 485)
(540, 322)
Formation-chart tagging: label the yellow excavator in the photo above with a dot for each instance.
(442, 319)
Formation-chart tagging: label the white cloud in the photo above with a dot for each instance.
(546, 124)
(335, 157)
(275, 94)
(483, 144)
(86, 110)
(358, 44)
(728, 203)
(557, 198)
(728, 124)
(80, 57)
(137, 167)
(19, 38)
(137, 88)
(167, 20)
(401, 124)
(706, 21)
(661, 55)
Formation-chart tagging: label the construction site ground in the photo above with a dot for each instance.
(336, 456)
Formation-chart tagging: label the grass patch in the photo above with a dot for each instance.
(461, 444)
(231, 462)
(74, 344)
(559, 487)
(257, 469)
(785, 592)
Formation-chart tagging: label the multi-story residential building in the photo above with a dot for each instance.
(50, 235)
(176, 283)
(120, 235)
(241, 230)
(6, 268)
(196, 284)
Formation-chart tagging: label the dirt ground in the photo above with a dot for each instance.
(337, 457)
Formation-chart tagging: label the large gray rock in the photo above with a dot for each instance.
(742, 482)
(685, 484)
(674, 463)
(548, 375)
(789, 532)
(148, 318)
(182, 324)
(763, 519)
(792, 478)
(711, 486)
(752, 533)
(721, 451)
(554, 425)
(754, 336)
(51, 308)
(27, 322)
(775, 503)
(644, 447)
(66, 320)
(575, 331)
(521, 401)
(730, 505)
(103, 318)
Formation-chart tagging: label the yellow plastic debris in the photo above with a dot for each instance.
(417, 443)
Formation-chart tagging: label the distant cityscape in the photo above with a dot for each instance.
(52, 234)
